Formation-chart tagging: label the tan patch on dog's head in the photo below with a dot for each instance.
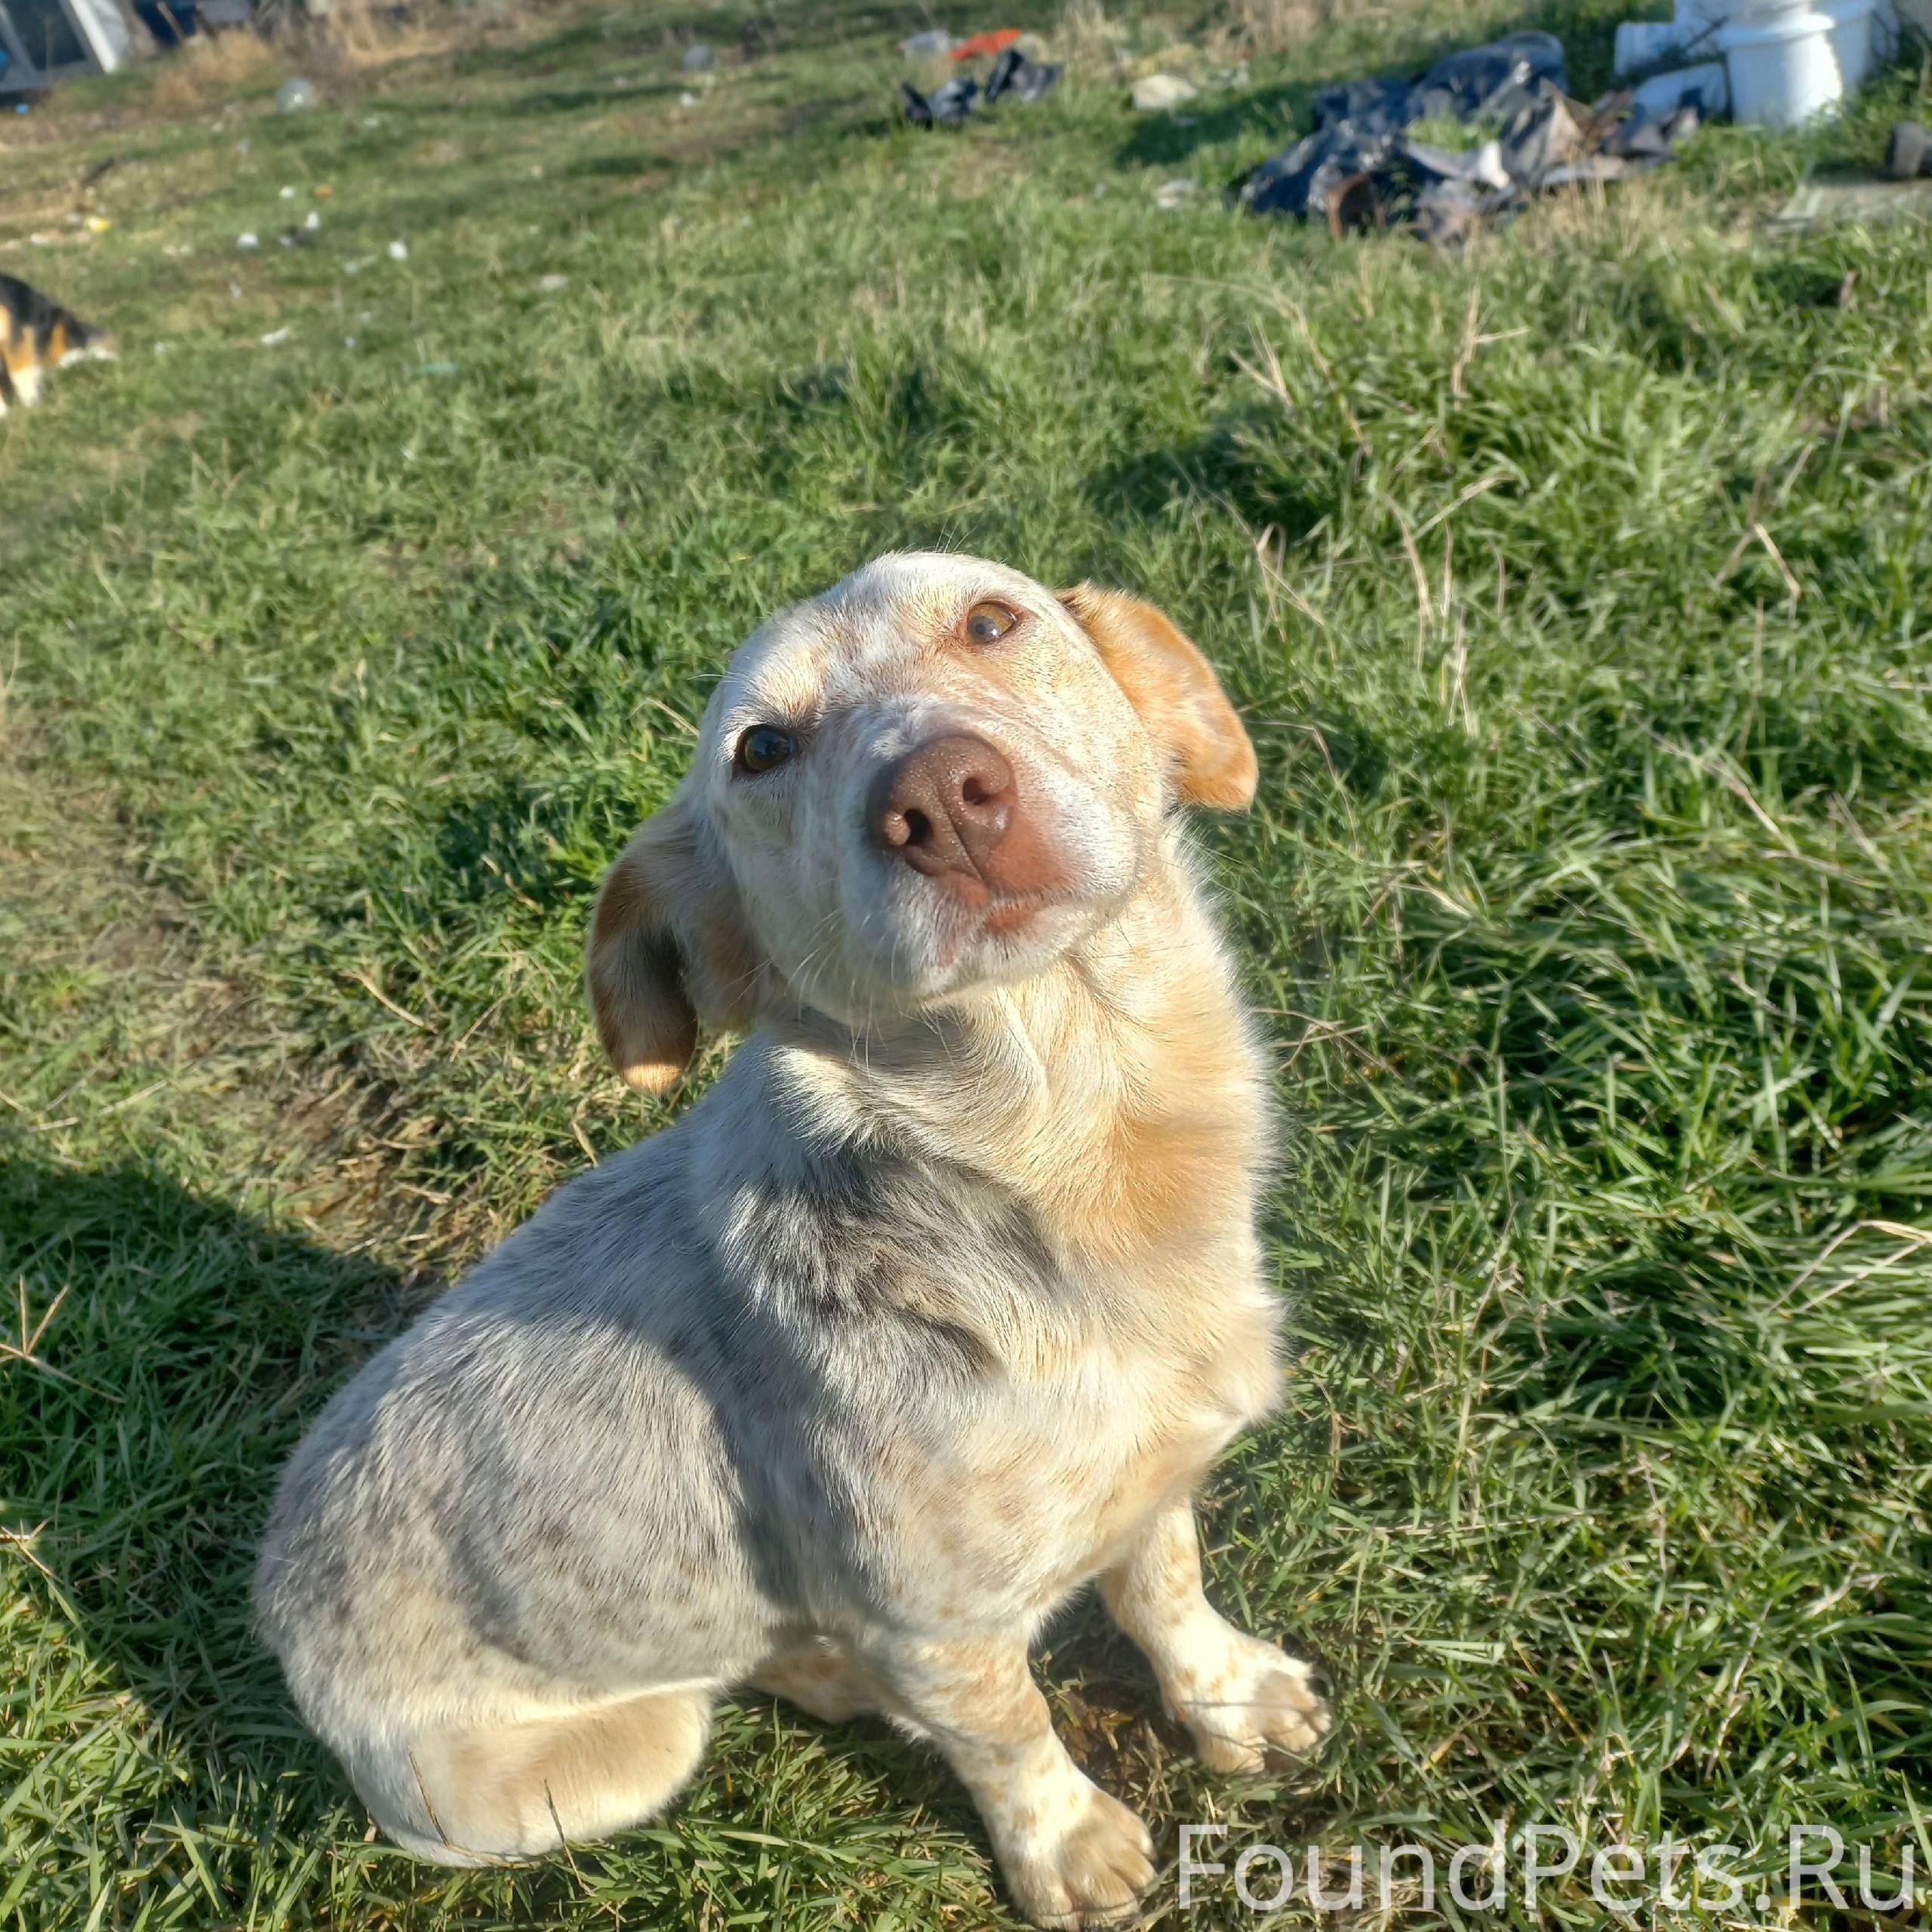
(1173, 689)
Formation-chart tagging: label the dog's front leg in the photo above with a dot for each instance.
(1241, 1698)
(1072, 1857)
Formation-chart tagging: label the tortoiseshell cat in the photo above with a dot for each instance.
(37, 335)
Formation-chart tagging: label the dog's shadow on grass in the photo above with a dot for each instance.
(176, 1346)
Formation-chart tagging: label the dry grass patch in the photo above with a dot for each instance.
(209, 69)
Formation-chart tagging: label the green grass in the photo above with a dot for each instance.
(1578, 593)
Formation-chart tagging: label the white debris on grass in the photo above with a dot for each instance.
(1154, 93)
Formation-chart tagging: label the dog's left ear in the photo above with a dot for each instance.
(667, 948)
(1174, 689)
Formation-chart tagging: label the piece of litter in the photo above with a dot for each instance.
(550, 284)
(349, 342)
(288, 194)
(687, 99)
(1013, 77)
(946, 106)
(398, 252)
(98, 224)
(931, 45)
(275, 336)
(161, 349)
(313, 221)
(1860, 198)
(1707, 86)
(1171, 194)
(324, 193)
(293, 96)
(1152, 93)
(699, 59)
(1482, 167)
(1643, 44)
(995, 40)
(356, 267)
(249, 239)
(1025, 80)
(436, 369)
(1908, 152)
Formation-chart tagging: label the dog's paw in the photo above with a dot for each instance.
(1255, 1703)
(1090, 1872)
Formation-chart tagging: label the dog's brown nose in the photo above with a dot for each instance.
(945, 808)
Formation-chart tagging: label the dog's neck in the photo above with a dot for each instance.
(1120, 1096)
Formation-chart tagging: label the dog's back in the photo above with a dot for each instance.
(37, 334)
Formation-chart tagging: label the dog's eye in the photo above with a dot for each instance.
(763, 747)
(988, 622)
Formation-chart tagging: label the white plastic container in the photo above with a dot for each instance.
(1783, 70)
(1851, 38)
(1663, 94)
(1885, 31)
(1642, 44)
(1697, 22)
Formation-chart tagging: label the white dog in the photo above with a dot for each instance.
(941, 1302)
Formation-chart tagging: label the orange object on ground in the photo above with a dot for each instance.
(989, 42)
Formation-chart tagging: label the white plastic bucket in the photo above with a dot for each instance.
(1851, 38)
(1663, 94)
(1642, 44)
(1697, 22)
(1783, 70)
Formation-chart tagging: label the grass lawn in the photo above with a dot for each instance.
(1578, 592)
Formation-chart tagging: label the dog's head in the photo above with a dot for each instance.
(934, 778)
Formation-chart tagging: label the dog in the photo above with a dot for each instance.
(940, 1304)
(37, 335)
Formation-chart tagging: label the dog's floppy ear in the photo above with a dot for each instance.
(1174, 689)
(667, 946)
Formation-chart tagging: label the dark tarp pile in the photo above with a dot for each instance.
(1014, 76)
(1358, 169)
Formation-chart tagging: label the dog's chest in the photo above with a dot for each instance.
(1062, 1468)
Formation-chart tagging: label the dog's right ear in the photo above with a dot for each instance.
(667, 946)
